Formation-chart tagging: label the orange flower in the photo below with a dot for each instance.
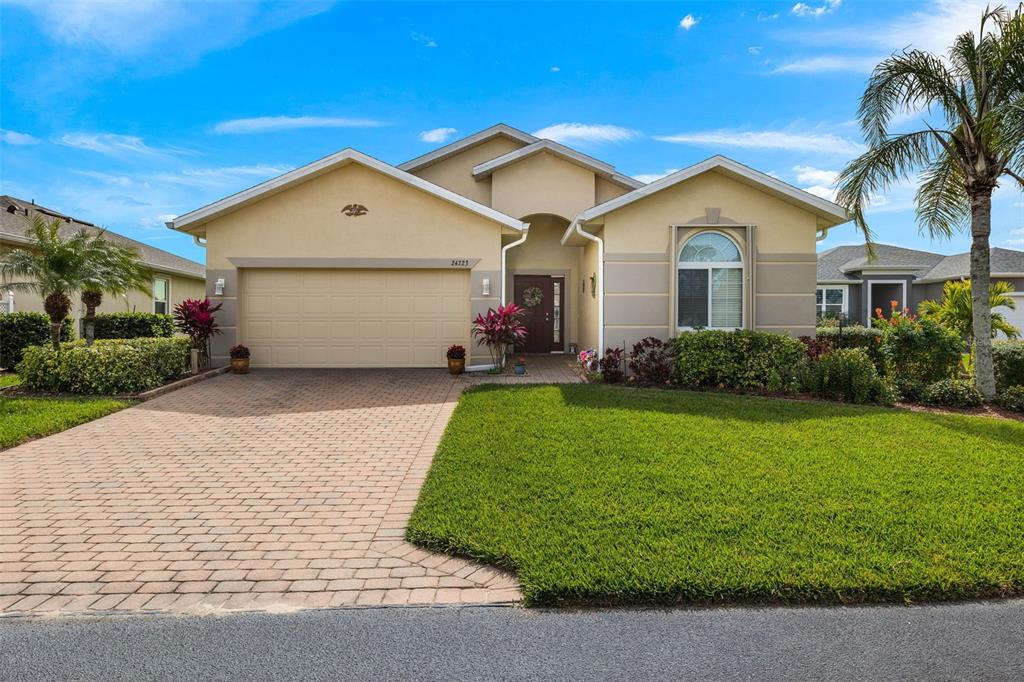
(878, 312)
(894, 304)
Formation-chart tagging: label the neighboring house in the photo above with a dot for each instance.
(174, 278)
(353, 262)
(851, 284)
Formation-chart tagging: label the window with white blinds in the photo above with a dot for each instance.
(710, 283)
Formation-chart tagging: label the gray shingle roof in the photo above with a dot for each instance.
(15, 214)
(841, 262)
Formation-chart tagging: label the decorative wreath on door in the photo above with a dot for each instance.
(532, 296)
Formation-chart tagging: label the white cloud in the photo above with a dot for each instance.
(648, 178)
(424, 40)
(13, 137)
(437, 134)
(266, 124)
(829, 63)
(764, 16)
(802, 9)
(555, 69)
(688, 22)
(821, 191)
(805, 174)
(754, 49)
(769, 139)
(112, 144)
(584, 132)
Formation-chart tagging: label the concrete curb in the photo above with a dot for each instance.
(181, 383)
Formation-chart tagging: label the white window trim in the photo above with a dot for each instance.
(708, 266)
(846, 297)
(871, 285)
(167, 293)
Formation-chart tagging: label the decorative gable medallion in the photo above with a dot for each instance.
(355, 210)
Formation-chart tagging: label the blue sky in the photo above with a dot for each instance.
(125, 114)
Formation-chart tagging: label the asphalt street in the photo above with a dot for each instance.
(969, 641)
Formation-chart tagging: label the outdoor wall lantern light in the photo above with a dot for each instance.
(218, 287)
(485, 287)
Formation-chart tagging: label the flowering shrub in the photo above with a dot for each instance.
(239, 352)
(197, 319)
(588, 360)
(456, 352)
(611, 366)
(499, 329)
(916, 351)
(651, 361)
(951, 393)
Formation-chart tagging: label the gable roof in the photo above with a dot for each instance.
(839, 263)
(831, 213)
(14, 214)
(324, 165)
(600, 168)
(499, 130)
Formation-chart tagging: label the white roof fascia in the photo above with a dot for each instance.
(476, 138)
(605, 170)
(816, 203)
(328, 163)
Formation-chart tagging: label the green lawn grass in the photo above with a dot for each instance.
(24, 418)
(595, 494)
(9, 380)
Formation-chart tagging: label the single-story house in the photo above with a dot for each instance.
(353, 262)
(852, 284)
(174, 278)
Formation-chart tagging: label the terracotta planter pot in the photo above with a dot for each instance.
(456, 365)
(240, 365)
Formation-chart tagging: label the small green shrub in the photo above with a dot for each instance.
(918, 352)
(951, 393)
(740, 359)
(133, 325)
(1008, 357)
(1012, 399)
(20, 330)
(108, 367)
(847, 374)
(854, 336)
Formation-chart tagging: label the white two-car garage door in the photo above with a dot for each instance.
(353, 318)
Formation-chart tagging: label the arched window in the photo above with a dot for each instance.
(710, 277)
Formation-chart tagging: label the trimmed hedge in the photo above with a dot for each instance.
(952, 393)
(847, 374)
(855, 336)
(133, 325)
(1008, 357)
(918, 353)
(1012, 399)
(740, 359)
(108, 367)
(21, 330)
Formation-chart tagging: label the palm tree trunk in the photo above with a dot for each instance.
(55, 333)
(90, 324)
(981, 228)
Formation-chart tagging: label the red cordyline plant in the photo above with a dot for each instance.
(499, 329)
(196, 318)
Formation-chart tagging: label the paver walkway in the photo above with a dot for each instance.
(282, 489)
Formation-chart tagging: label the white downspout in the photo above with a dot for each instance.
(504, 253)
(201, 244)
(600, 282)
(501, 297)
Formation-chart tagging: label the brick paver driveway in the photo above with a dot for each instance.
(276, 490)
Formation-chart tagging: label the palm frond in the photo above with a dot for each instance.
(942, 203)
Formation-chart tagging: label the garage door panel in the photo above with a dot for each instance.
(351, 318)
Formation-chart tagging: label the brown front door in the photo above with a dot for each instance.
(542, 296)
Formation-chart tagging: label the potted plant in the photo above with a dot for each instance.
(520, 367)
(239, 359)
(456, 359)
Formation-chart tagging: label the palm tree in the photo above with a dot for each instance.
(56, 268)
(979, 92)
(955, 311)
(111, 268)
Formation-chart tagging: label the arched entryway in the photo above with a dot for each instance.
(543, 277)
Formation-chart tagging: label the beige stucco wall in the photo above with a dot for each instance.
(456, 171)
(588, 300)
(305, 221)
(638, 239)
(543, 254)
(542, 183)
(605, 190)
